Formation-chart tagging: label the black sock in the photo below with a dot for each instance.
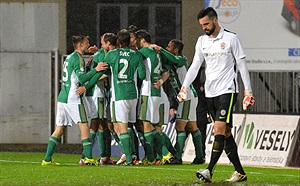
(217, 150)
(232, 154)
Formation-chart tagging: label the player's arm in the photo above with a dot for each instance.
(158, 83)
(239, 55)
(84, 77)
(192, 71)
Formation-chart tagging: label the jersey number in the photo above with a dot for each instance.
(65, 72)
(122, 74)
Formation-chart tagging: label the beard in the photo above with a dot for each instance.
(211, 31)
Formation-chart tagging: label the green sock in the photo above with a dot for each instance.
(93, 135)
(197, 140)
(87, 148)
(149, 145)
(116, 137)
(52, 144)
(131, 134)
(168, 145)
(125, 140)
(101, 143)
(180, 140)
(107, 138)
(158, 140)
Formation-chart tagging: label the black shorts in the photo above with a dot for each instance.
(220, 108)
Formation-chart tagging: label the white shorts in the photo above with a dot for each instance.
(164, 109)
(69, 114)
(187, 110)
(123, 111)
(149, 109)
(90, 106)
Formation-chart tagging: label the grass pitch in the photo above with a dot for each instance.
(18, 168)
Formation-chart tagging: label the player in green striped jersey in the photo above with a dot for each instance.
(150, 96)
(186, 115)
(96, 94)
(70, 107)
(125, 65)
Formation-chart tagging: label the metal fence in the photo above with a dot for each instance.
(274, 92)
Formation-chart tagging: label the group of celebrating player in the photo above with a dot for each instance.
(120, 90)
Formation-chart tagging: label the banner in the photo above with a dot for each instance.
(263, 140)
(268, 30)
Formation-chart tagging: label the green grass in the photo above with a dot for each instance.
(24, 169)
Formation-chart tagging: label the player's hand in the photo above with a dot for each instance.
(248, 99)
(80, 90)
(101, 66)
(93, 49)
(89, 62)
(182, 94)
(158, 83)
(155, 47)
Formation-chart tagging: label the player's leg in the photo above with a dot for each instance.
(52, 144)
(197, 141)
(220, 107)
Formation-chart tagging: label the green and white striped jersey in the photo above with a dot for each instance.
(74, 75)
(153, 68)
(125, 64)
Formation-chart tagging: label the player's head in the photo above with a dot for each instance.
(108, 41)
(142, 37)
(175, 46)
(208, 19)
(123, 38)
(81, 43)
(132, 29)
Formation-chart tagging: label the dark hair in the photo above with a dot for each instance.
(111, 37)
(178, 44)
(132, 29)
(143, 34)
(123, 38)
(78, 39)
(208, 11)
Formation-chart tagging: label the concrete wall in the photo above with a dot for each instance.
(29, 31)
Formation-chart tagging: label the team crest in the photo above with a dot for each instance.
(223, 46)
(223, 112)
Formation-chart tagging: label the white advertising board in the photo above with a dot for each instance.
(269, 43)
(263, 140)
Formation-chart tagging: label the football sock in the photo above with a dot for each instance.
(217, 150)
(180, 141)
(158, 143)
(168, 144)
(232, 154)
(93, 135)
(101, 143)
(52, 144)
(125, 140)
(131, 134)
(107, 139)
(87, 148)
(149, 145)
(197, 140)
